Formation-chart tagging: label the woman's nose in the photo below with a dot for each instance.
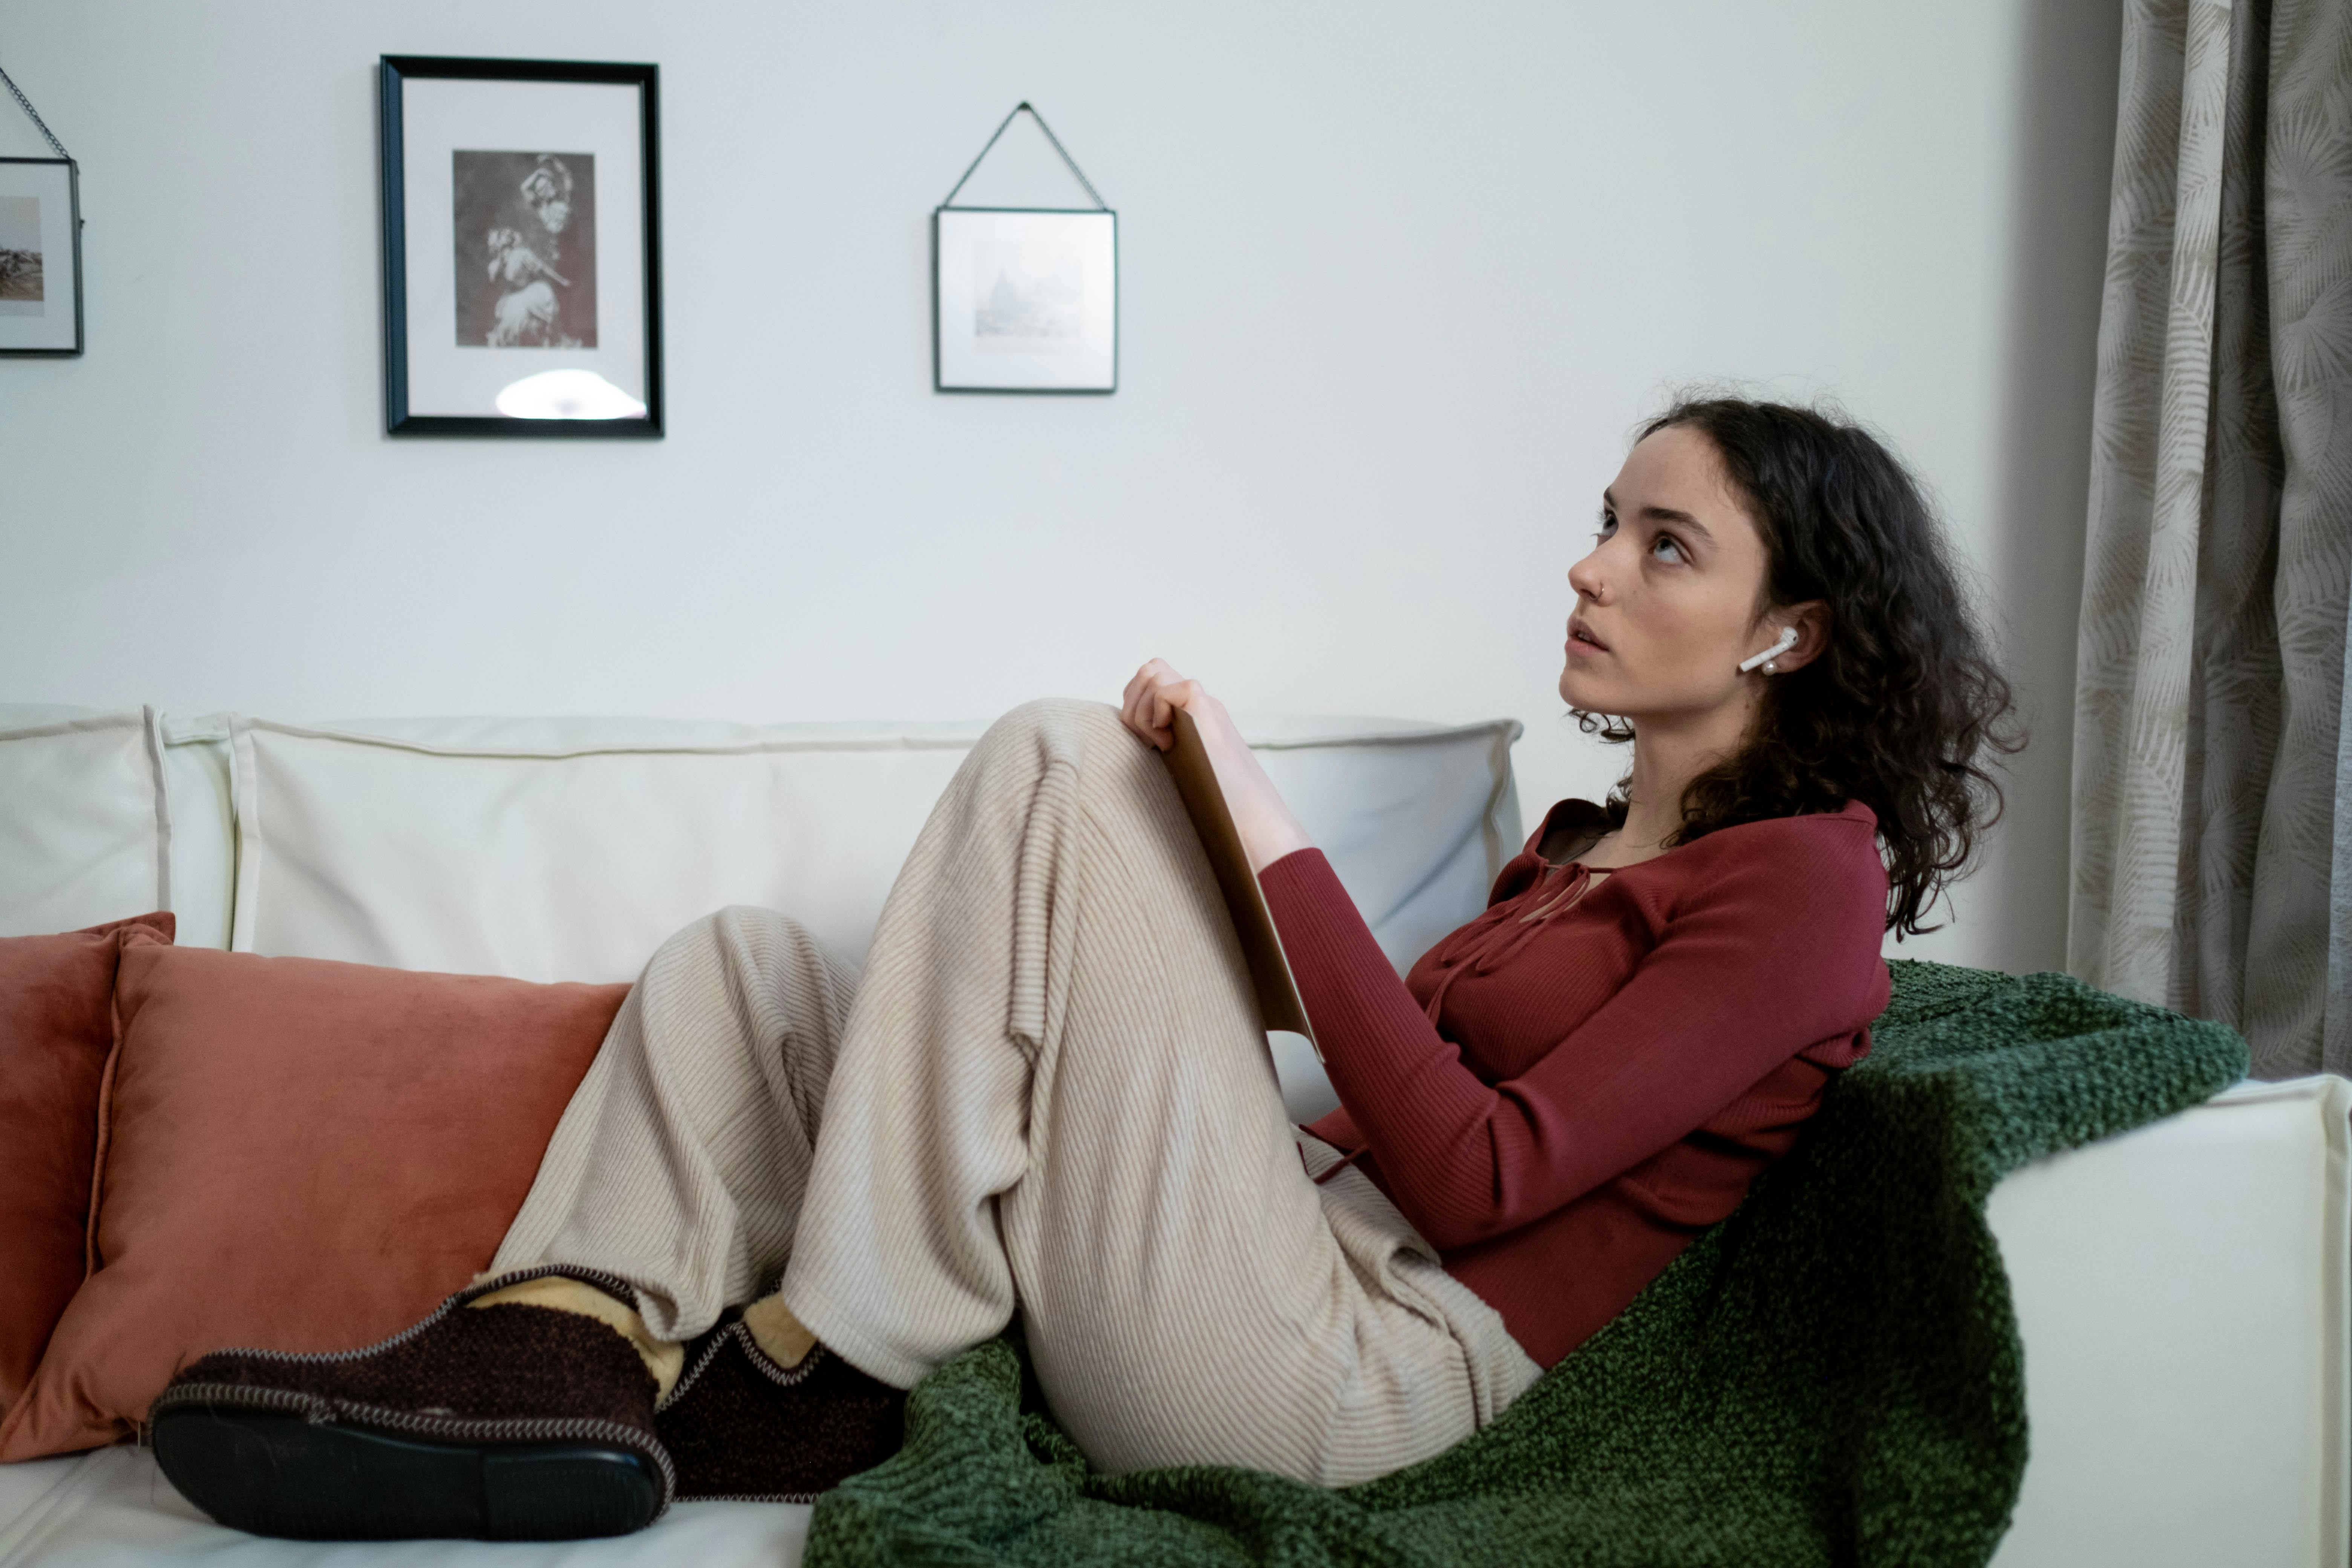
(1586, 579)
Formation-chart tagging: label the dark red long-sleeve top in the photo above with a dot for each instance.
(1561, 1094)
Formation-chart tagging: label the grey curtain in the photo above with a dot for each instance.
(2212, 805)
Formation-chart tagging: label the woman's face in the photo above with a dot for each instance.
(1666, 604)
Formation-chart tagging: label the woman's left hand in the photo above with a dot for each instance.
(1268, 830)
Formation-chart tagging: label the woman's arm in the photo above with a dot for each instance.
(1776, 951)
(1268, 830)
(1758, 965)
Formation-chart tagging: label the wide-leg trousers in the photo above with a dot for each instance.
(1048, 1092)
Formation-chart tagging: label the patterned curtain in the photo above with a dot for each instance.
(2212, 810)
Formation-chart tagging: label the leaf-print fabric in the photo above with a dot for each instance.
(2212, 856)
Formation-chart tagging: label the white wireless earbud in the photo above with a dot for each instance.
(1788, 640)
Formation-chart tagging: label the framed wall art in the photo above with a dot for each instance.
(521, 247)
(40, 257)
(1025, 298)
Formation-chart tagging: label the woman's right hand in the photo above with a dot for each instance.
(1153, 696)
(1268, 831)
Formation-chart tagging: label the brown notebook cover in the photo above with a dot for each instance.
(1204, 803)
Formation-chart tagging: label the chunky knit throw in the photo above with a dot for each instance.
(1831, 1375)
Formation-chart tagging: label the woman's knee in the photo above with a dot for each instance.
(1088, 737)
(744, 946)
(1054, 721)
(751, 925)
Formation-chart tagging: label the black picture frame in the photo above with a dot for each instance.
(73, 213)
(940, 382)
(393, 72)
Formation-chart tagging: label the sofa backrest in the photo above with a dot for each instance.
(85, 832)
(567, 848)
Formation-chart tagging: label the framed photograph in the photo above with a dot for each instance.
(1025, 299)
(521, 247)
(40, 257)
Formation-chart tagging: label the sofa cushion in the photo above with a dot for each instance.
(57, 1032)
(299, 1155)
(547, 848)
(86, 834)
(197, 791)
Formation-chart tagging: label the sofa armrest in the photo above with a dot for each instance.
(2181, 1292)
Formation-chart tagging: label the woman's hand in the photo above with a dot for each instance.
(1154, 694)
(1267, 829)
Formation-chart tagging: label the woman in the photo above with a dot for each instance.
(767, 1211)
(528, 314)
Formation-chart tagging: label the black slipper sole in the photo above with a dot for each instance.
(316, 1480)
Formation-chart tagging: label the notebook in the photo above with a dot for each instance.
(1278, 1003)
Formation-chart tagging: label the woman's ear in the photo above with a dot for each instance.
(1811, 620)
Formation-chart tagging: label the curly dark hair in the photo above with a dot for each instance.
(1905, 707)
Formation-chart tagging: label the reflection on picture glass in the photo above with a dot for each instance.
(20, 248)
(526, 245)
(1028, 298)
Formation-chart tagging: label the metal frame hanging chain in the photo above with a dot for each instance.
(1019, 110)
(35, 116)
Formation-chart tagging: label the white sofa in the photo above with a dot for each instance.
(2182, 1290)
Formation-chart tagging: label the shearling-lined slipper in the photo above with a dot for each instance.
(509, 1423)
(743, 1428)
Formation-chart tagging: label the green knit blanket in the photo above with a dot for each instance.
(1831, 1375)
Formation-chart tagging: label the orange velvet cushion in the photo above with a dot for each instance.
(299, 1155)
(56, 1030)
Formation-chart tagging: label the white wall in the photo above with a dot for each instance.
(1397, 281)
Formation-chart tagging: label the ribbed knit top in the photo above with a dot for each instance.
(1562, 1093)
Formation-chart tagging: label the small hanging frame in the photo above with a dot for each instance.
(40, 226)
(1025, 299)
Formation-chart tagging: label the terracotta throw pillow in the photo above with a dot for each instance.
(299, 1155)
(56, 1030)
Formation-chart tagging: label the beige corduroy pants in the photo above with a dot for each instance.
(1049, 1091)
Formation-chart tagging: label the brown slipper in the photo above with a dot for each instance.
(509, 1423)
(742, 1428)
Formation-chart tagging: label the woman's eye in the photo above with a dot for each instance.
(1671, 549)
(1608, 526)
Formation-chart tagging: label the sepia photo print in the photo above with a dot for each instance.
(525, 232)
(1029, 297)
(20, 250)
